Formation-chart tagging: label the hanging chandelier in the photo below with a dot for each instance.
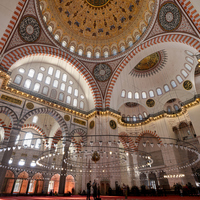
(95, 157)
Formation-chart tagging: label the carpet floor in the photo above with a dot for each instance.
(102, 198)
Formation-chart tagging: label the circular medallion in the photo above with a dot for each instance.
(102, 72)
(150, 103)
(169, 17)
(29, 29)
(113, 124)
(187, 85)
(30, 105)
(67, 118)
(91, 124)
(97, 3)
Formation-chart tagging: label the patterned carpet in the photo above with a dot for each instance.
(102, 198)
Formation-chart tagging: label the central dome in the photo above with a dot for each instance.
(97, 3)
(97, 25)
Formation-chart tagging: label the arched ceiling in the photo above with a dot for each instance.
(132, 80)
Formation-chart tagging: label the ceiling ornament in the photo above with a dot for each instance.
(102, 72)
(150, 65)
(187, 85)
(29, 29)
(150, 103)
(96, 25)
(97, 3)
(169, 16)
(131, 104)
(30, 105)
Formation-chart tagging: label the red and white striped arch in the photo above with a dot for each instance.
(24, 51)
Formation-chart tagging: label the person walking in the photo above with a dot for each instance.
(88, 190)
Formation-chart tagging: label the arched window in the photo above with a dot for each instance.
(72, 48)
(64, 43)
(97, 54)
(27, 139)
(190, 60)
(31, 73)
(48, 80)
(33, 164)
(18, 79)
(50, 70)
(39, 76)
(130, 43)
(128, 118)
(42, 69)
(144, 95)
(140, 117)
(17, 139)
(159, 91)
(82, 97)
(89, 54)
(27, 83)
(134, 118)
(38, 143)
(185, 74)
(173, 84)
(123, 94)
(81, 105)
(76, 92)
(61, 96)
(21, 70)
(62, 86)
(179, 79)
(75, 102)
(35, 119)
(176, 107)
(21, 162)
(114, 52)
(45, 90)
(68, 100)
(166, 88)
(80, 52)
(56, 37)
(151, 93)
(169, 109)
(105, 54)
(36, 87)
(122, 48)
(145, 114)
(55, 83)
(53, 94)
(64, 77)
(188, 67)
(137, 95)
(130, 95)
(57, 75)
(189, 53)
(69, 90)
(50, 28)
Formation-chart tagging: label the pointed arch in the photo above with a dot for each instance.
(62, 123)
(24, 51)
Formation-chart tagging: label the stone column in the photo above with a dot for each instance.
(7, 155)
(63, 171)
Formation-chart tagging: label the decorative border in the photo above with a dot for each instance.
(191, 11)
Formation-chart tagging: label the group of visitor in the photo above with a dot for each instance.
(96, 190)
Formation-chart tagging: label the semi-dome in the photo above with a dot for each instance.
(97, 28)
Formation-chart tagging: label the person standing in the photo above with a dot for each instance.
(88, 190)
(94, 186)
(98, 190)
